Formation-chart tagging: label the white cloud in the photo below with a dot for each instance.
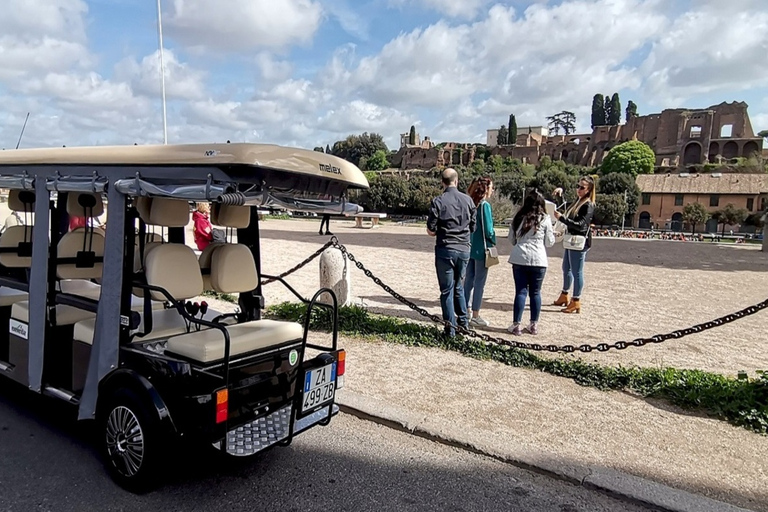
(273, 70)
(359, 116)
(27, 19)
(39, 36)
(424, 67)
(181, 81)
(537, 62)
(243, 25)
(467, 9)
(453, 78)
(700, 54)
(353, 22)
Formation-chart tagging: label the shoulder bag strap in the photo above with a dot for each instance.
(482, 227)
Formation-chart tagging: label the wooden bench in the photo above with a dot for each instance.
(374, 217)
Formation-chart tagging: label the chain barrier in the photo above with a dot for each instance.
(304, 263)
(600, 347)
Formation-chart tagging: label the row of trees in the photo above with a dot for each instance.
(411, 193)
(606, 110)
(696, 214)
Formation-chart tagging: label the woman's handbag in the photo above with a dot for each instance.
(491, 254)
(574, 242)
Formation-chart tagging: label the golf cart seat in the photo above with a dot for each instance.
(233, 270)
(229, 217)
(10, 296)
(15, 244)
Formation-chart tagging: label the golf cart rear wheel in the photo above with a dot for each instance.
(130, 441)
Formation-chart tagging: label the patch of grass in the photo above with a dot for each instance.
(742, 401)
(226, 297)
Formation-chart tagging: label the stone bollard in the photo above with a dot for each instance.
(335, 274)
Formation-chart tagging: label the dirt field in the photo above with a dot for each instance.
(633, 288)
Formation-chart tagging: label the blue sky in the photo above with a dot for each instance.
(309, 72)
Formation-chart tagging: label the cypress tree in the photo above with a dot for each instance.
(598, 111)
(328, 149)
(412, 136)
(608, 113)
(501, 138)
(631, 110)
(512, 131)
(615, 118)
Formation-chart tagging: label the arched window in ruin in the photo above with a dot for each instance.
(645, 221)
(564, 155)
(692, 154)
(714, 150)
(750, 149)
(730, 150)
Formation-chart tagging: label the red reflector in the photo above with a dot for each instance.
(341, 364)
(222, 405)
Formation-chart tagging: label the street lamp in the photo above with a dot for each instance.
(162, 71)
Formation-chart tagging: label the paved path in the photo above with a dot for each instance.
(47, 464)
(555, 423)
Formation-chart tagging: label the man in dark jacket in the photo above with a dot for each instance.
(452, 220)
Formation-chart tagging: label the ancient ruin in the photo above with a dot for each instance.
(679, 137)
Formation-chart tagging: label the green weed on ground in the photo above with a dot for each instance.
(742, 401)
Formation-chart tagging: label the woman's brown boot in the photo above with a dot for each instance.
(562, 300)
(573, 307)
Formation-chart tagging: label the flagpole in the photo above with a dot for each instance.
(162, 71)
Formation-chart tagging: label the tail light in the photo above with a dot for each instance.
(341, 366)
(222, 405)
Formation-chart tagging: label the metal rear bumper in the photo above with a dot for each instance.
(269, 430)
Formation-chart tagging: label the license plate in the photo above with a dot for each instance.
(319, 386)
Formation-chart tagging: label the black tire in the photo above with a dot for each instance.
(130, 441)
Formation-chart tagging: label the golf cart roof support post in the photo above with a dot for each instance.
(38, 283)
(249, 236)
(105, 351)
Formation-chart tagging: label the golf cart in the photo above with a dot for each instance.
(103, 319)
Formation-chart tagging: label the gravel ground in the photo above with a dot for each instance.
(634, 288)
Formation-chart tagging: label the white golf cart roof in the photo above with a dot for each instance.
(263, 157)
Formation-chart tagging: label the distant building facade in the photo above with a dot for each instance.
(665, 195)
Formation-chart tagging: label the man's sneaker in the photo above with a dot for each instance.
(515, 329)
(476, 320)
(532, 329)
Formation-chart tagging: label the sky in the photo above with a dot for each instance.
(306, 73)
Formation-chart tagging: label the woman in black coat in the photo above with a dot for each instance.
(577, 219)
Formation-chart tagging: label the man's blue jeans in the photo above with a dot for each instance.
(451, 266)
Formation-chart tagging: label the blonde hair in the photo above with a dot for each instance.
(203, 207)
(591, 180)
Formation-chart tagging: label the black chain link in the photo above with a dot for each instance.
(601, 347)
(317, 253)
